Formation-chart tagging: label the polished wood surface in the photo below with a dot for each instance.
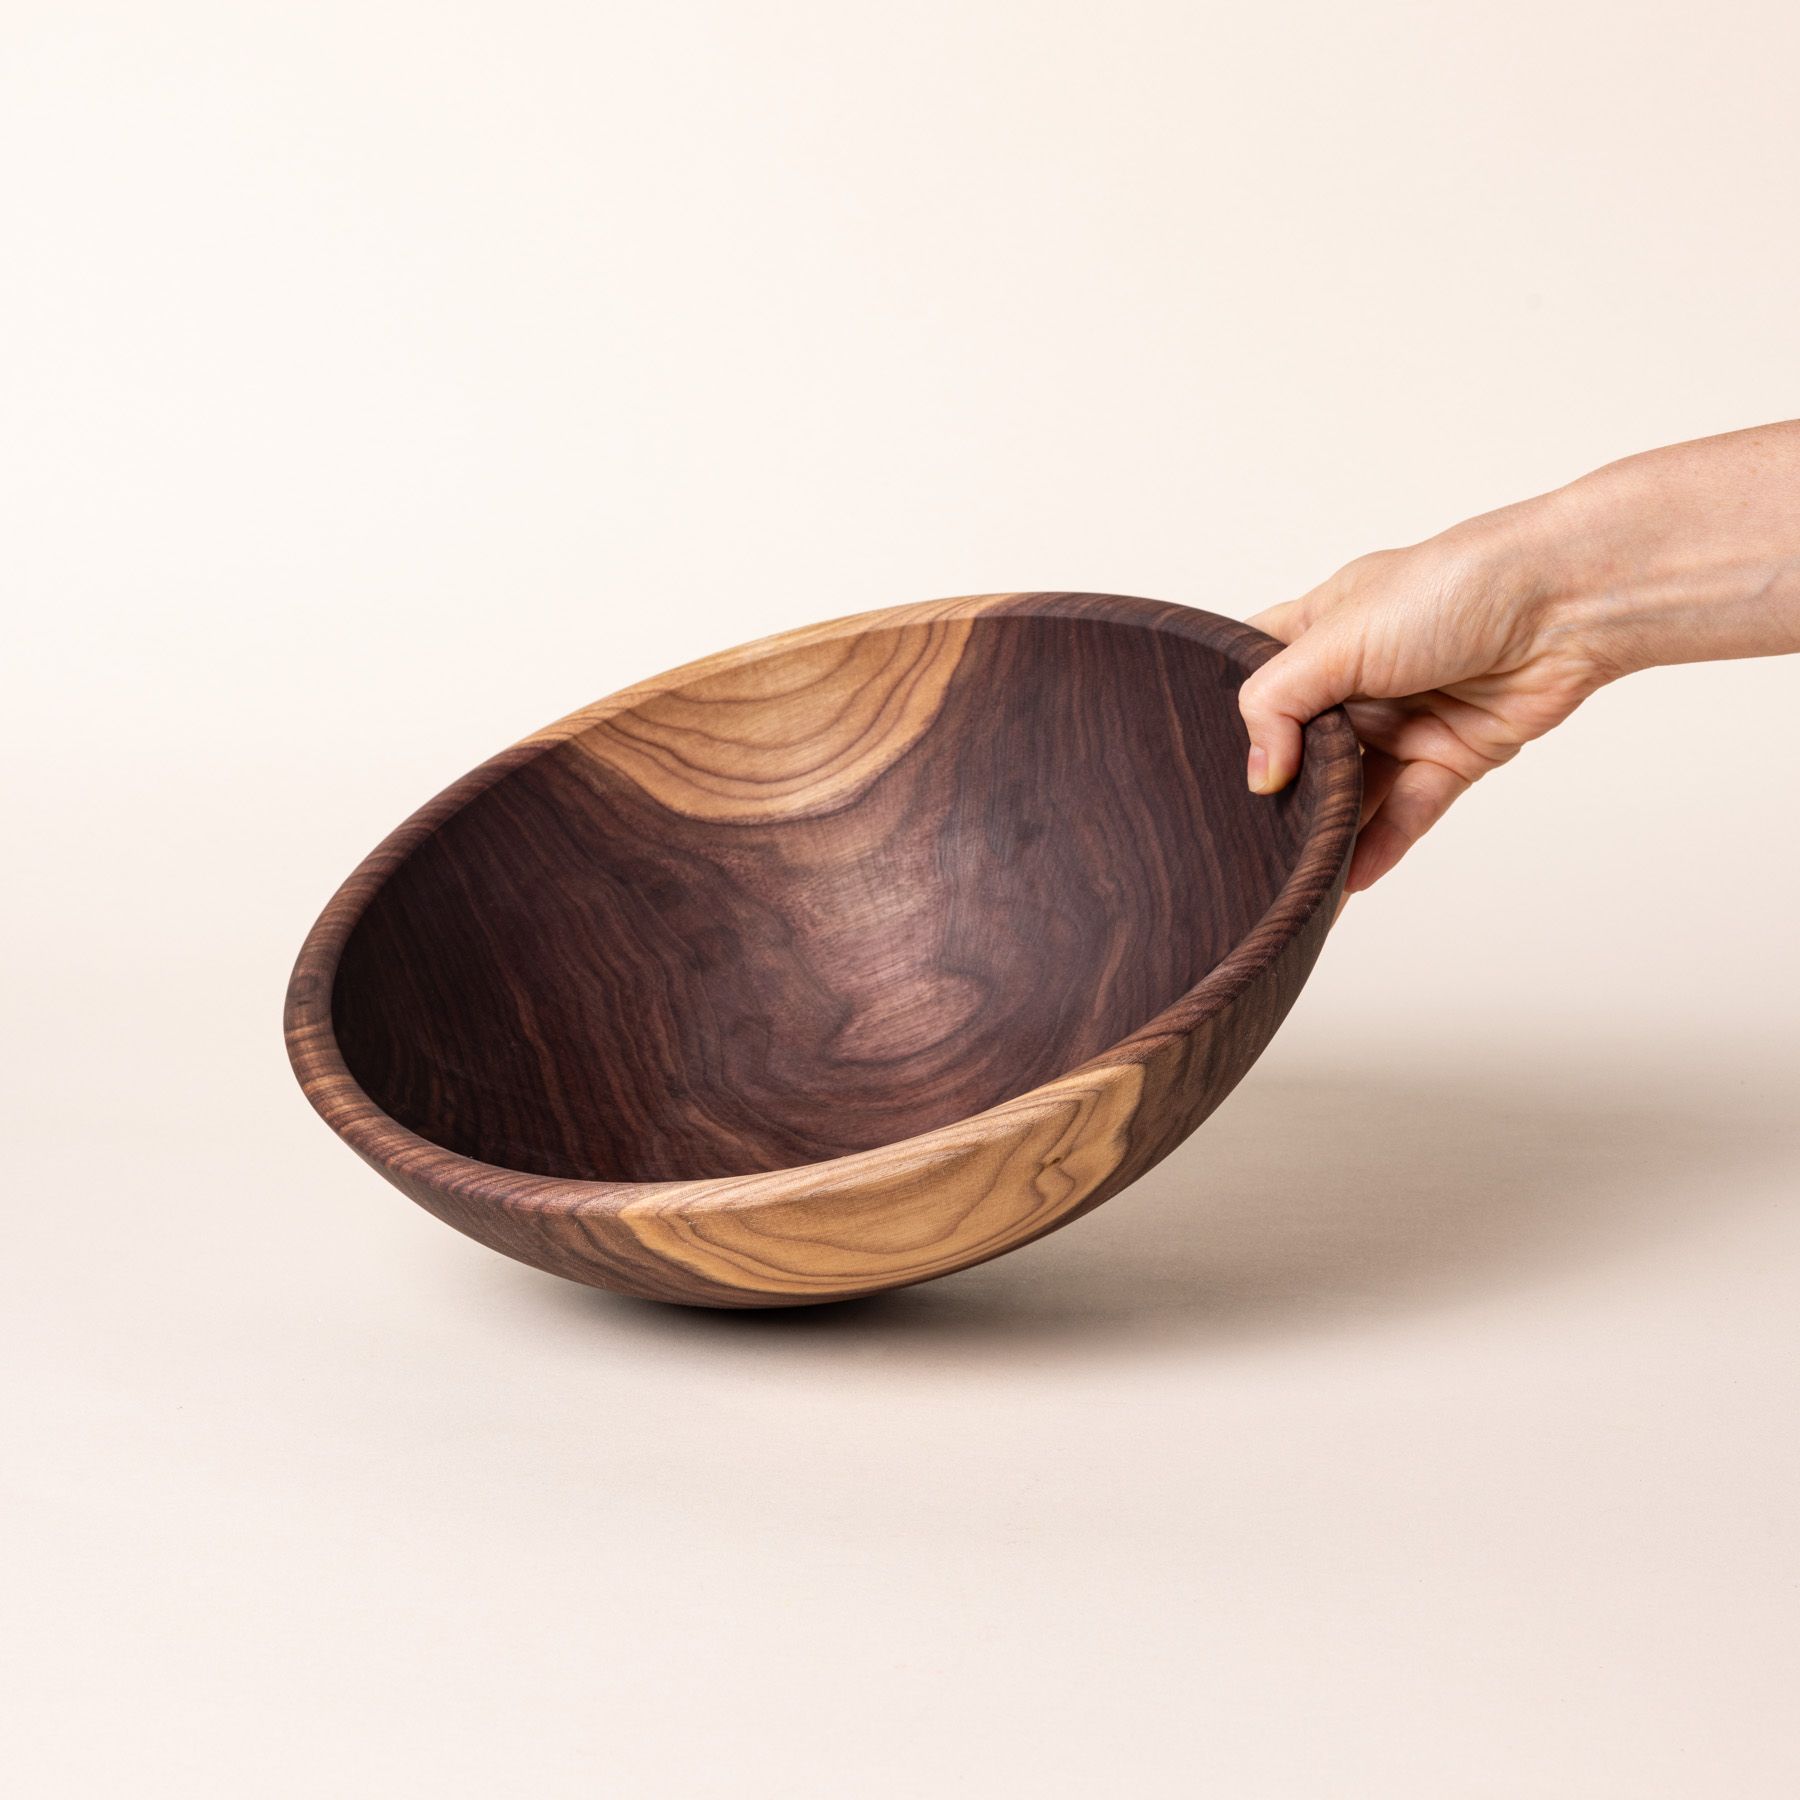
(833, 962)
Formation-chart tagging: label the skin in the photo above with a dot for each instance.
(1452, 654)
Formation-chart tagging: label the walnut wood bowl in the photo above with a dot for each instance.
(834, 962)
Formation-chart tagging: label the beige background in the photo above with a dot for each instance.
(381, 382)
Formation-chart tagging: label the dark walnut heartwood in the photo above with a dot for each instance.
(833, 962)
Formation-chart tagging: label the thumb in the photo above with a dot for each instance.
(1319, 669)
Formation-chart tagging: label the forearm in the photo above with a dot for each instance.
(1689, 554)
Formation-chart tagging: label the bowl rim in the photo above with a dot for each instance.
(1332, 759)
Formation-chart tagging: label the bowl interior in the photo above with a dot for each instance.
(826, 900)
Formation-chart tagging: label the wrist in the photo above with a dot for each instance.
(1590, 605)
(1535, 569)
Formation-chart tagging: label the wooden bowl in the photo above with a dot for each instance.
(834, 962)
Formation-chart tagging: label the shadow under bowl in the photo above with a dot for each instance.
(836, 961)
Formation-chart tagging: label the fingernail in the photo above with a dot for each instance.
(1259, 769)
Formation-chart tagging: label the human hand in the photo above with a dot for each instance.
(1453, 654)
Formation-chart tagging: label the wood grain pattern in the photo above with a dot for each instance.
(787, 736)
(834, 962)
